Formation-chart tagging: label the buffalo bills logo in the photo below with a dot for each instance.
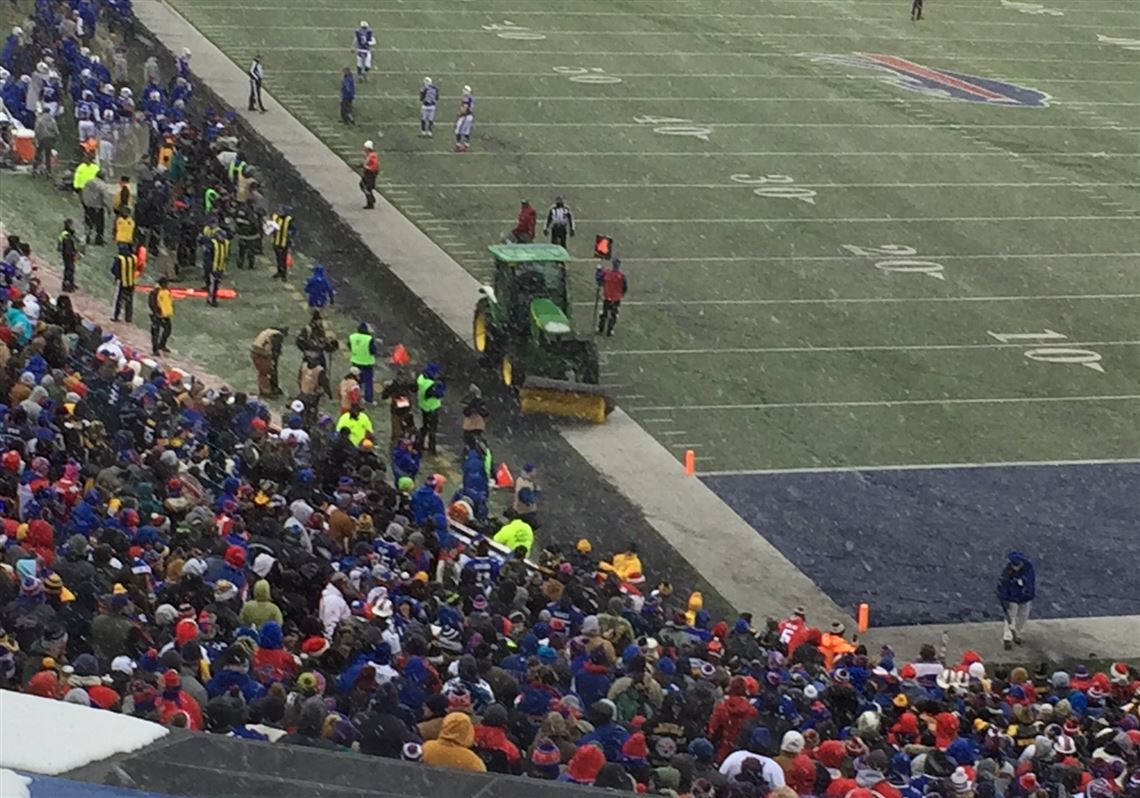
(939, 82)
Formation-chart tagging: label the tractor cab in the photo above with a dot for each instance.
(525, 273)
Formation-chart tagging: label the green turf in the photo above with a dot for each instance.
(218, 339)
(753, 333)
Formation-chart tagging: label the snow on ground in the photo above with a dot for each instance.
(13, 785)
(40, 735)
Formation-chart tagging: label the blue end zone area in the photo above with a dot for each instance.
(48, 787)
(927, 545)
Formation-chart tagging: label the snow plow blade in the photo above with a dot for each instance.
(565, 398)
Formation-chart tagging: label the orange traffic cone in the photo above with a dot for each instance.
(400, 356)
(503, 478)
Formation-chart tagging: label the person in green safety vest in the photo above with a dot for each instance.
(362, 351)
(358, 424)
(430, 390)
(515, 534)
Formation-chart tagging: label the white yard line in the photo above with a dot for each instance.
(739, 186)
(996, 400)
(919, 467)
(871, 300)
(781, 350)
(696, 156)
(640, 17)
(655, 8)
(797, 125)
(832, 220)
(842, 258)
(759, 35)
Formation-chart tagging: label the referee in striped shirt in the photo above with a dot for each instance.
(559, 222)
(256, 76)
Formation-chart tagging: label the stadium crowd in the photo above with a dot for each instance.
(168, 553)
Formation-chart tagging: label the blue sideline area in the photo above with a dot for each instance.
(927, 545)
(48, 787)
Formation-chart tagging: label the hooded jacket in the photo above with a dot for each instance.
(260, 609)
(272, 662)
(453, 747)
(727, 722)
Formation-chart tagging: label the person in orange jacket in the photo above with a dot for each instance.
(833, 645)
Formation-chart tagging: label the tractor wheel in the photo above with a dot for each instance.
(481, 335)
(511, 372)
(586, 367)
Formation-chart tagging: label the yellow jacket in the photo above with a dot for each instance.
(452, 749)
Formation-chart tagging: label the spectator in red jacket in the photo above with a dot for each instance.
(493, 745)
(174, 700)
(729, 718)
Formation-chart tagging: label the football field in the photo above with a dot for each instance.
(854, 242)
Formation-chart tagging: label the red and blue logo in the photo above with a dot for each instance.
(939, 83)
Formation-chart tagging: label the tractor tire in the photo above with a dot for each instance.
(586, 368)
(511, 371)
(482, 333)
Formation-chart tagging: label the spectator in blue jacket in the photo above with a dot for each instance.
(1016, 590)
(425, 502)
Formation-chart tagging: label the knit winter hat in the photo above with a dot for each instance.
(635, 747)
(171, 680)
(585, 764)
(31, 587)
(701, 749)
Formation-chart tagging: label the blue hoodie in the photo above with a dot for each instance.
(425, 503)
(1017, 586)
(226, 678)
(611, 737)
(319, 289)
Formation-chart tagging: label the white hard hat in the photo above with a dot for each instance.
(466, 89)
(427, 81)
(368, 144)
(363, 24)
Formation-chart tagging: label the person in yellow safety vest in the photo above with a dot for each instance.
(217, 256)
(124, 227)
(161, 303)
(237, 168)
(526, 495)
(362, 351)
(358, 424)
(515, 534)
(283, 232)
(833, 645)
(123, 270)
(430, 390)
(94, 204)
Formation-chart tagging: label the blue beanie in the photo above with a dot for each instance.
(760, 738)
(629, 653)
(701, 749)
(666, 666)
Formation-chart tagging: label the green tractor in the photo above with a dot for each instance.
(522, 328)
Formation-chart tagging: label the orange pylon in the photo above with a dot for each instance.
(400, 356)
(503, 478)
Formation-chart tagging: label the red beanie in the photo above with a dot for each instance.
(171, 679)
(635, 747)
(585, 764)
(185, 631)
(235, 557)
(831, 753)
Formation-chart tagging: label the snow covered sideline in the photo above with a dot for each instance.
(13, 785)
(40, 735)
